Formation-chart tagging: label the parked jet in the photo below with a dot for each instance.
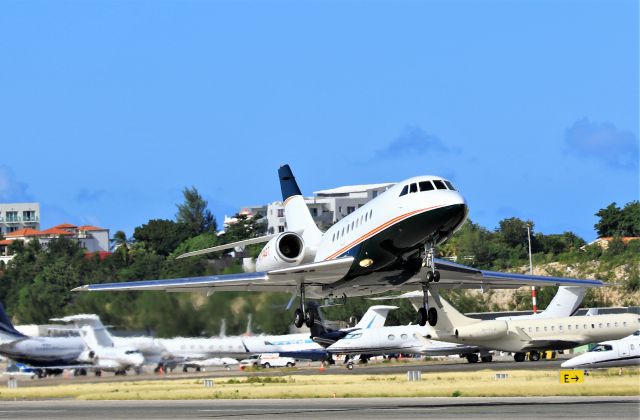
(529, 335)
(47, 355)
(303, 346)
(387, 244)
(410, 338)
(617, 353)
(104, 354)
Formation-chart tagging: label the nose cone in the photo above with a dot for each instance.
(571, 363)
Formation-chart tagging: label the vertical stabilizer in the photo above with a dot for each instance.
(375, 317)
(94, 333)
(449, 318)
(296, 212)
(7, 331)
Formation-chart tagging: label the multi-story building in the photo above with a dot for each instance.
(16, 216)
(326, 206)
(93, 239)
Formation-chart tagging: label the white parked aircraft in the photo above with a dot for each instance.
(411, 338)
(617, 353)
(104, 354)
(529, 335)
(387, 244)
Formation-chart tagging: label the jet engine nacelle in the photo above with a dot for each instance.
(485, 330)
(283, 251)
(87, 356)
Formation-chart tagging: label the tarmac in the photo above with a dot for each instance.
(357, 408)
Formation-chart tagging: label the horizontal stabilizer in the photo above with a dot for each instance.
(231, 245)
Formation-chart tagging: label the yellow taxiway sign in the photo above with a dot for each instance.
(571, 376)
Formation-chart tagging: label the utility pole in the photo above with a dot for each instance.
(533, 288)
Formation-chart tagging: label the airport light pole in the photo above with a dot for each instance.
(533, 288)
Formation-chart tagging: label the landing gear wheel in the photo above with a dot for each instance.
(519, 357)
(487, 359)
(350, 365)
(436, 276)
(422, 317)
(472, 358)
(534, 356)
(309, 319)
(430, 276)
(432, 316)
(298, 319)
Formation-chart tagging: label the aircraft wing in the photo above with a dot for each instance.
(283, 280)
(454, 275)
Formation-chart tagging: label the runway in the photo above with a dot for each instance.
(373, 408)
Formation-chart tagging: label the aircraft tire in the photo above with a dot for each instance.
(298, 319)
(430, 276)
(487, 359)
(436, 276)
(432, 316)
(350, 366)
(309, 319)
(289, 364)
(519, 357)
(534, 356)
(422, 317)
(472, 358)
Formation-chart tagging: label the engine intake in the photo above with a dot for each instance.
(285, 250)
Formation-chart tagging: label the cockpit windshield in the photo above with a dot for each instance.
(423, 186)
(603, 347)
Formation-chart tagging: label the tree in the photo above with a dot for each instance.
(120, 239)
(609, 223)
(513, 231)
(630, 223)
(193, 213)
(161, 236)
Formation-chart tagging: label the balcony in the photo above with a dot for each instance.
(19, 219)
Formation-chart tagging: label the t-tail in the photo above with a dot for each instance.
(296, 212)
(7, 331)
(375, 317)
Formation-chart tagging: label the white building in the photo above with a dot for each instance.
(93, 239)
(16, 216)
(326, 206)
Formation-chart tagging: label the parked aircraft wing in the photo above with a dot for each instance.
(287, 280)
(458, 275)
(231, 245)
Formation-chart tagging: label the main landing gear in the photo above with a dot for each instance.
(303, 315)
(427, 314)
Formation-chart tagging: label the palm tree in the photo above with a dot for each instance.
(120, 239)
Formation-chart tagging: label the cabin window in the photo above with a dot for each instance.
(352, 224)
(545, 328)
(404, 336)
(608, 325)
(391, 337)
(366, 217)
(530, 329)
(342, 234)
(370, 213)
(615, 324)
(426, 186)
(404, 191)
(357, 222)
(568, 327)
(600, 325)
(439, 184)
(537, 329)
(552, 328)
(333, 238)
(633, 347)
(593, 326)
(450, 185)
(347, 228)
(624, 323)
(413, 188)
(559, 327)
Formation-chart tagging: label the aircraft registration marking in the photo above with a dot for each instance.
(571, 376)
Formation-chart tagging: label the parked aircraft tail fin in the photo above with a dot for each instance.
(375, 316)
(94, 333)
(296, 212)
(565, 303)
(449, 318)
(7, 330)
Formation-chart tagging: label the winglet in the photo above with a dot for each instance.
(84, 288)
(288, 183)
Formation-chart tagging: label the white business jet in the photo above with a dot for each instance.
(617, 353)
(388, 244)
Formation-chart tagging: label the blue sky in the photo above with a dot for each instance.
(109, 108)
